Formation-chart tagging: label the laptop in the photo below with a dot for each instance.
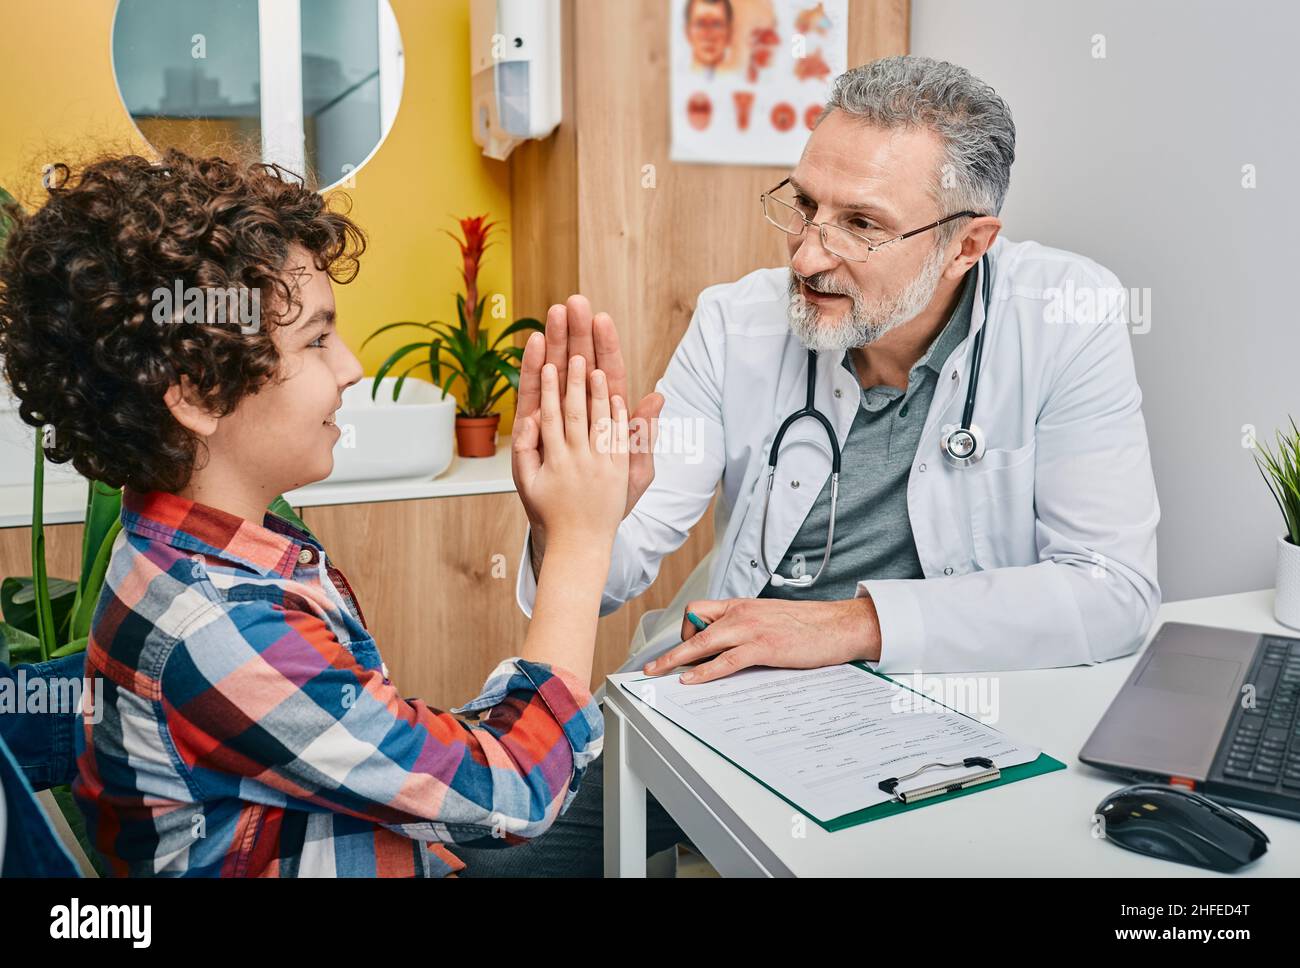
(1213, 710)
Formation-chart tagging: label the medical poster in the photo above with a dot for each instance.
(749, 78)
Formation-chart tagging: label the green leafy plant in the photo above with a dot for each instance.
(44, 617)
(5, 225)
(1281, 472)
(486, 371)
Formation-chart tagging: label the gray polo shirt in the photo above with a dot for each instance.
(873, 533)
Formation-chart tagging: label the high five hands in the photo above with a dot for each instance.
(742, 633)
(572, 331)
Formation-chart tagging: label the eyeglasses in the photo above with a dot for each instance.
(836, 239)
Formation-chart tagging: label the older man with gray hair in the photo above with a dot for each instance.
(926, 442)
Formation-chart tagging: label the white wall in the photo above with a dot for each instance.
(1136, 161)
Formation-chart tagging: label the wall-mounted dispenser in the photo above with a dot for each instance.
(516, 70)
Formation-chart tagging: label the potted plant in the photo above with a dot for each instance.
(486, 370)
(1281, 472)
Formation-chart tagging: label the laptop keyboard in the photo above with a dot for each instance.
(1264, 742)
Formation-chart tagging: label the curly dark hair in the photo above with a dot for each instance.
(80, 347)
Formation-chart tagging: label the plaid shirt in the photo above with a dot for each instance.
(249, 727)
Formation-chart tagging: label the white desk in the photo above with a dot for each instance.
(1039, 826)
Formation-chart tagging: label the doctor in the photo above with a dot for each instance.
(1040, 552)
(1027, 541)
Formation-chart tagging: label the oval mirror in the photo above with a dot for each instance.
(312, 85)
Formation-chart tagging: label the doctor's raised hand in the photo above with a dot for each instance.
(573, 332)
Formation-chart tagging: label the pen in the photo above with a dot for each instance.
(699, 623)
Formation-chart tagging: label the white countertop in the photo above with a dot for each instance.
(65, 497)
(1040, 827)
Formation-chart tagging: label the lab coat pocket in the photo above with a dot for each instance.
(1001, 492)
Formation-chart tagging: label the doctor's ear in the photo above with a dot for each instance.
(982, 232)
(184, 403)
(978, 238)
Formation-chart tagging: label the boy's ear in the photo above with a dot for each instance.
(194, 417)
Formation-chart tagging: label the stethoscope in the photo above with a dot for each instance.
(962, 445)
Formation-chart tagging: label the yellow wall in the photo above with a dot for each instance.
(59, 99)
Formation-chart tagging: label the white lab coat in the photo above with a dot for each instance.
(1042, 554)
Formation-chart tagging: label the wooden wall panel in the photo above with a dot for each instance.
(62, 551)
(544, 200)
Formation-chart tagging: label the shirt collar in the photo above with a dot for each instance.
(941, 347)
(955, 330)
(271, 548)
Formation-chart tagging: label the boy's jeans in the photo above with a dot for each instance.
(42, 743)
(37, 750)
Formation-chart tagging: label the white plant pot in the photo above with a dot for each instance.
(411, 439)
(1286, 606)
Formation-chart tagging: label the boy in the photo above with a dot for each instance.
(249, 728)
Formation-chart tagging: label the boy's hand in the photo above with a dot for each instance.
(571, 331)
(572, 472)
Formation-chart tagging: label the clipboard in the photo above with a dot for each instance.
(956, 787)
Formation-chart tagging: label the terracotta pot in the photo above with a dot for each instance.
(477, 436)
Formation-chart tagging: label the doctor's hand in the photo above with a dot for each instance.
(572, 331)
(745, 632)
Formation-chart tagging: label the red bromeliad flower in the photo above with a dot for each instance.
(473, 244)
(487, 370)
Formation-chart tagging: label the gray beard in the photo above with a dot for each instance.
(864, 323)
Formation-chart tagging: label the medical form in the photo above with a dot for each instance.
(824, 738)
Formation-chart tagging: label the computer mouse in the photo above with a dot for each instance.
(1181, 826)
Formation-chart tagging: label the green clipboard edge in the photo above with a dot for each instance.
(1044, 764)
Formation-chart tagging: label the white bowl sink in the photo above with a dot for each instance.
(412, 438)
(18, 447)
